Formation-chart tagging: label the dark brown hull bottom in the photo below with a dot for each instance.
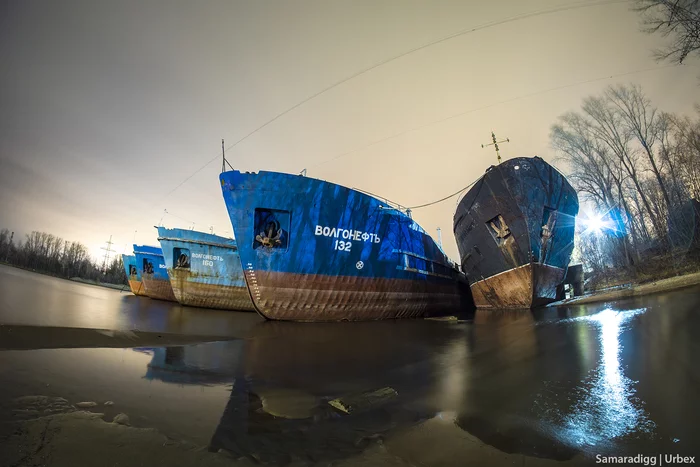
(209, 295)
(526, 286)
(310, 297)
(158, 289)
(137, 287)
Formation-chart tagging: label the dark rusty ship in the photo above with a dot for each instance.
(515, 233)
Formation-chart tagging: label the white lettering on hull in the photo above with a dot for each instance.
(209, 257)
(347, 234)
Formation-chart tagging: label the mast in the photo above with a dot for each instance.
(495, 145)
(223, 156)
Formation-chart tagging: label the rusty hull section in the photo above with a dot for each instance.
(136, 287)
(523, 287)
(157, 288)
(208, 295)
(311, 297)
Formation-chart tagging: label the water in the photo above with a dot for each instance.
(558, 385)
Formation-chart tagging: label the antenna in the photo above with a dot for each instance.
(108, 250)
(224, 162)
(439, 231)
(495, 144)
(303, 173)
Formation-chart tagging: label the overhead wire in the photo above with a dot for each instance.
(573, 6)
(569, 7)
(434, 123)
(482, 108)
(445, 198)
(476, 109)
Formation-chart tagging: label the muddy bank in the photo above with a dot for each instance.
(85, 438)
(120, 287)
(19, 337)
(49, 431)
(634, 290)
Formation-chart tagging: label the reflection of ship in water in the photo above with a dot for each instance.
(247, 429)
(550, 385)
(389, 370)
(285, 376)
(358, 356)
(507, 372)
(211, 363)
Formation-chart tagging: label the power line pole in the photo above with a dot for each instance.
(495, 144)
(108, 250)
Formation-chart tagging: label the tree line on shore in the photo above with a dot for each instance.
(49, 254)
(638, 166)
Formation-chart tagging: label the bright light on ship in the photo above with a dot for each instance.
(594, 223)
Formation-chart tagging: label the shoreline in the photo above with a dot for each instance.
(121, 288)
(634, 290)
(27, 337)
(72, 279)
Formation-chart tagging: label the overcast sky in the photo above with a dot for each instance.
(105, 107)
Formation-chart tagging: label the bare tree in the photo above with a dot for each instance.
(686, 151)
(637, 164)
(670, 160)
(643, 121)
(47, 253)
(677, 19)
(594, 172)
(609, 127)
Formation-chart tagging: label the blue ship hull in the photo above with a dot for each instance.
(317, 251)
(133, 274)
(204, 269)
(154, 276)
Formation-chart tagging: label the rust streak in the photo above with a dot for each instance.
(208, 295)
(308, 297)
(158, 288)
(522, 287)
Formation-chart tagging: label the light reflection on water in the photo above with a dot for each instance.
(594, 408)
(606, 406)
